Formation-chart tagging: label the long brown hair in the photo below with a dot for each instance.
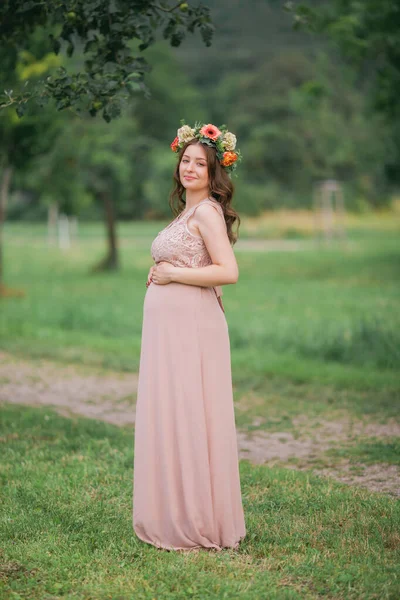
(221, 189)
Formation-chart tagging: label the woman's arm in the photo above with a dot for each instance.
(224, 269)
(210, 275)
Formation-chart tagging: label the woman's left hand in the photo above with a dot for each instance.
(163, 273)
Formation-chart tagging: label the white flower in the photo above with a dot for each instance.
(229, 141)
(185, 134)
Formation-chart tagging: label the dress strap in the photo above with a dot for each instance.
(209, 201)
(189, 212)
(181, 218)
(217, 288)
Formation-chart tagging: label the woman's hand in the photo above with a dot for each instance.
(149, 276)
(162, 273)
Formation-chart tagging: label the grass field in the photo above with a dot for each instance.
(66, 527)
(329, 315)
(315, 335)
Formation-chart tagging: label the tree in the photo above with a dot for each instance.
(103, 30)
(21, 140)
(367, 34)
(104, 161)
(301, 120)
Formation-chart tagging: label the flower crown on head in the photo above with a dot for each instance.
(217, 137)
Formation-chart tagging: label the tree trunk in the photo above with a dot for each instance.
(4, 190)
(110, 261)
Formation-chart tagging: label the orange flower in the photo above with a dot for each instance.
(228, 159)
(210, 131)
(174, 145)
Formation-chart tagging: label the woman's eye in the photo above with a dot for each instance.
(185, 160)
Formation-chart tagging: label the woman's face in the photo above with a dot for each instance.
(193, 169)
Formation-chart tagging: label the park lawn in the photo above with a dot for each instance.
(66, 528)
(313, 333)
(320, 324)
(371, 451)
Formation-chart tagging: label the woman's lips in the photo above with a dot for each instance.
(188, 177)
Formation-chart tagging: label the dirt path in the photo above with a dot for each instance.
(110, 396)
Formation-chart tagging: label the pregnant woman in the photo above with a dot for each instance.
(186, 486)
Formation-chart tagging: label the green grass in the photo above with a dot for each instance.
(313, 333)
(327, 317)
(372, 451)
(334, 306)
(66, 527)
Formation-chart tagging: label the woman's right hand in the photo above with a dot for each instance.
(149, 275)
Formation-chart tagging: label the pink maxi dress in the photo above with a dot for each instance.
(186, 486)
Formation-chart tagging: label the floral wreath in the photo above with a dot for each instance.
(217, 137)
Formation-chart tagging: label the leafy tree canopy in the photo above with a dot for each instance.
(368, 34)
(103, 30)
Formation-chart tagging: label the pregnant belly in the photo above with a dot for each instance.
(180, 301)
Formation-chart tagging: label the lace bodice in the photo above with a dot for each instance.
(177, 245)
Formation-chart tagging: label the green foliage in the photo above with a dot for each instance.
(89, 157)
(158, 184)
(299, 112)
(298, 126)
(368, 35)
(23, 139)
(103, 30)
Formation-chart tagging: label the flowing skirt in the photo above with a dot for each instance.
(186, 486)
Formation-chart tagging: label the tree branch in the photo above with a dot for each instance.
(167, 10)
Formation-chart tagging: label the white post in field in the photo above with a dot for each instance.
(64, 241)
(73, 227)
(52, 222)
(329, 210)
